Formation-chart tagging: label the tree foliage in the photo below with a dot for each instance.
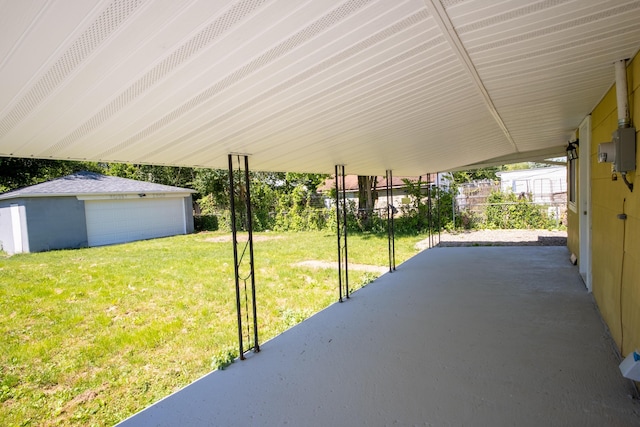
(429, 208)
(166, 175)
(417, 208)
(22, 172)
(489, 173)
(280, 201)
(506, 210)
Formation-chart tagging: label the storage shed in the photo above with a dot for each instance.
(90, 209)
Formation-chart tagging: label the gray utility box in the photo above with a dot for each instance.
(621, 151)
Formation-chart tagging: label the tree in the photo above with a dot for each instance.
(367, 196)
(168, 175)
(367, 192)
(416, 210)
(272, 193)
(22, 172)
(489, 173)
(310, 180)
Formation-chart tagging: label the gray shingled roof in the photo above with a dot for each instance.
(83, 183)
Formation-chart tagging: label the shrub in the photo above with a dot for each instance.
(470, 220)
(295, 213)
(205, 223)
(511, 211)
(223, 358)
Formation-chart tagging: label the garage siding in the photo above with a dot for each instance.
(119, 221)
(55, 223)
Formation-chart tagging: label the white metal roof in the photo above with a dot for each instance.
(414, 86)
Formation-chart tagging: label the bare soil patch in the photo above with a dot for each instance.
(82, 398)
(241, 238)
(334, 265)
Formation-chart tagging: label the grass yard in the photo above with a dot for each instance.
(91, 336)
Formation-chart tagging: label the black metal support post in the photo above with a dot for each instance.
(391, 211)
(234, 235)
(438, 195)
(429, 216)
(341, 226)
(344, 225)
(247, 182)
(238, 259)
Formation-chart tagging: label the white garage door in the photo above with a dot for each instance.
(119, 221)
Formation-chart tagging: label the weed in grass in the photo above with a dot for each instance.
(367, 278)
(293, 317)
(223, 358)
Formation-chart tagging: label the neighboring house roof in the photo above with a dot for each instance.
(351, 182)
(91, 183)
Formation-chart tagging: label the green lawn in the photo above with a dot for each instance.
(91, 336)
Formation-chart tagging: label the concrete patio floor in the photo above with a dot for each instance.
(473, 336)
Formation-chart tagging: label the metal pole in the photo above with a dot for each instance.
(438, 194)
(235, 252)
(256, 346)
(389, 220)
(429, 210)
(338, 225)
(454, 198)
(393, 231)
(346, 251)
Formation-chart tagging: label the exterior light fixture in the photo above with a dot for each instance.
(572, 153)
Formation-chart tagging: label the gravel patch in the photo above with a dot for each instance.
(499, 238)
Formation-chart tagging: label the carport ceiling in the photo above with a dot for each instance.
(414, 86)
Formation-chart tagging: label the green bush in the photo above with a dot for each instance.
(223, 358)
(470, 220)
(295, 213)
(308, 219)
(409, 224)
(205, 223)
(511, 211)
(416, 219)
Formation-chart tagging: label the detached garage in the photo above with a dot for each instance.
(89, 209)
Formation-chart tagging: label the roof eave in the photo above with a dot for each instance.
(105, 195)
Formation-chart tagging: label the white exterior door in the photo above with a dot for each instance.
(584, 206)
(119, 221)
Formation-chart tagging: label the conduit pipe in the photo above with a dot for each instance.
(621, 93)
(623, 107)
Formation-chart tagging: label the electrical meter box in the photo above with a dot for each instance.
(606, 152)
(621, 151)
(624, 141)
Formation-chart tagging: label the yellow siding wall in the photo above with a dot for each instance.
(573, 241)
(616, 243)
